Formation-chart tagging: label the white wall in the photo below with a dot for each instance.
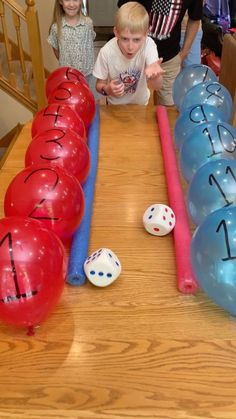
(12, 113)
(102, 12)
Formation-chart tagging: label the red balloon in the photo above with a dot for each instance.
(48, 194)
(64, 148)
(63, 74)
(76, 95)
(32, 271)
(57, 116)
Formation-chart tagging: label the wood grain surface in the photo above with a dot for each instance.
(136, 349)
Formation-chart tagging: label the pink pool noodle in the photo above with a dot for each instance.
(186, 282)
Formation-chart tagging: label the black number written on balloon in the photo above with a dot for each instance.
(63, 96)
(212, 90)
(213, 181)
(205, 75)
(197, 115)
(223, 225)
(200, 67)
(223, 146)
(206, 131)
(229, 170)
(56, 114)
(55, 141)
(71, 75)
(18, 295)
(33, 213)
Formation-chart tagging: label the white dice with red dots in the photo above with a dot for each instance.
(102, 267)
(159, 219)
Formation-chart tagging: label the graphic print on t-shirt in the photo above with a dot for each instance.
(163, 17)
(130, 80)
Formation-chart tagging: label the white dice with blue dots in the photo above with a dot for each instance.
(159, 219)
(102, 267)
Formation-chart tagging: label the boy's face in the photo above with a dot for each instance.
(129, 43)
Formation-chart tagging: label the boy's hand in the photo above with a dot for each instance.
(154, 70)
(116, 88)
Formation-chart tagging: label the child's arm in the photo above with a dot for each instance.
(104, 84)
(56, 52)
(190, 33)
(53, 40)
(154, 74)
(110, 88)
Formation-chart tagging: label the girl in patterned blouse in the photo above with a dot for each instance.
(71, 36)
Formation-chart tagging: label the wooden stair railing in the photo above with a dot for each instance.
(32, 98)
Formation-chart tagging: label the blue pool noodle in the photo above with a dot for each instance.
(80, 241)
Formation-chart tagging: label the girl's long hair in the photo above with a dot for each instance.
(58, 14)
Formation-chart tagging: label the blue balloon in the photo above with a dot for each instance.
(213, 187)
(213, 257)
(210, 141)
(193, 117)
(188, 77)
(211, 93)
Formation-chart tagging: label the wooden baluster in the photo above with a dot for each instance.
(12, 77)
(36, 52)
(17, 24)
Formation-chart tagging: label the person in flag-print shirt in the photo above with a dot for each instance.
(165, 28)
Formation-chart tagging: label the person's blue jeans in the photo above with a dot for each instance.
(194, 55)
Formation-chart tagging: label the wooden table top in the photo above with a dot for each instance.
(136, 349)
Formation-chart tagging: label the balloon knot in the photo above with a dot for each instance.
(31, 331)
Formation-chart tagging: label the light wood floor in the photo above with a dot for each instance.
(139, 348)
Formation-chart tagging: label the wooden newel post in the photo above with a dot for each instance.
(36, 52)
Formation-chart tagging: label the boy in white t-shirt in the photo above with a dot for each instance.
(127, 61)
